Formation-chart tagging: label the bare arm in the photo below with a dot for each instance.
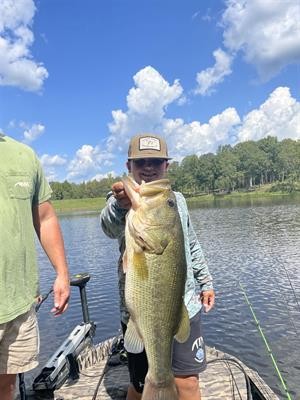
(48, 231)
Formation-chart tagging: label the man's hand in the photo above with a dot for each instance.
(61, 290)
(207, 298)
(120, 195)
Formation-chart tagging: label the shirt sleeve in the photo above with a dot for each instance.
(42, 190)
(112, 218)
(199, 264)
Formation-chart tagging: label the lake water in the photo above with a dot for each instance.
(255, 244)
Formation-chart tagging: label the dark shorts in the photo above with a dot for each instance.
(188, 358)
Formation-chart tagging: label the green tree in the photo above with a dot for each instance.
(189, 167)
(57, 193)
(270, 147)
(206, 172)
(251, 161)
(226, 162)
(289, 159)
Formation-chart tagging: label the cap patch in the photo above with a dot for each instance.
(149, 143)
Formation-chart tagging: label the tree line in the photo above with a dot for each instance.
(241, 167)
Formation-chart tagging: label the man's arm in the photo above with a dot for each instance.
(48, 231)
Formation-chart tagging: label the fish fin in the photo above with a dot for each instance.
(183, 332)
(158, 392)
(132, 340)
(136, 248)
(125, 262)
(132, 190)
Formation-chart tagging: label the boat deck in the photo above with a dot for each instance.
(222, 379)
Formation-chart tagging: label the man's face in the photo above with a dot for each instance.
(147, 169)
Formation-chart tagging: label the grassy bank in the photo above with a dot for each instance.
(73, 205)
(236, 195)
(243, 198)
(96, 204)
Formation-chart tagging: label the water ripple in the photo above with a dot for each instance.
(257, 245)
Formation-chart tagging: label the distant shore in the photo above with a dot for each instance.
(75, 205)
(96, 204)
(243, 195)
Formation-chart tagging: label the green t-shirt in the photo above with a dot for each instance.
(22, 186)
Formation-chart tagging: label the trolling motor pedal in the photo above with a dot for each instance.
(80, 279)
(63, 363)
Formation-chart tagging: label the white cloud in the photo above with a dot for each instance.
(152, 93)
(210, 77)
(267, 32)
(196, 138)
(88, 161)
(53, 166)
(32, 133)
(55, 160)
(278, 116)
(99, 177)
(17, 67)
(147, 103)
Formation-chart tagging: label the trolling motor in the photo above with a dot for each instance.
(63, 363)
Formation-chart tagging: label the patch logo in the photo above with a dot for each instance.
(22, 184)
(198, 348)
(149, 143)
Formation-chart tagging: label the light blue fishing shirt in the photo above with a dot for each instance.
(112, 220)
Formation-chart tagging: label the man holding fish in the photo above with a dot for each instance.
(164, 280)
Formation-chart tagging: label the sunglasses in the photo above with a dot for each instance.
(155, 162)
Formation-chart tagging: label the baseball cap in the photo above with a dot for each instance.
(147, 145)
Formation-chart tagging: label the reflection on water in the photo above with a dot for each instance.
(257, 245)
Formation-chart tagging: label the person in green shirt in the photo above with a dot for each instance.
(25, 209)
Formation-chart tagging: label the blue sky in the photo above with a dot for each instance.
(79, 77)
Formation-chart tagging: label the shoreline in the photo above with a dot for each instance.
(94, 205)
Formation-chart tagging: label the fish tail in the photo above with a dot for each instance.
(153, 391)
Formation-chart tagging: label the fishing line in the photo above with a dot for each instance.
(288, 276)
(22, 386)
(42, 299)
(266, 343)
(291, 285)
(290, 316)
(285, 302)
(234, 383)
(227, 361)
(116, 348)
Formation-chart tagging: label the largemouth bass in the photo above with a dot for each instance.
(155, 266)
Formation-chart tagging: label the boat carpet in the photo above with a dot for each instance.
(221, 380)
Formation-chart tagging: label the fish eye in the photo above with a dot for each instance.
(171, 202)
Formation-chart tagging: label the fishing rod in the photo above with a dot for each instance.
(22, 386)
(266, 343)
